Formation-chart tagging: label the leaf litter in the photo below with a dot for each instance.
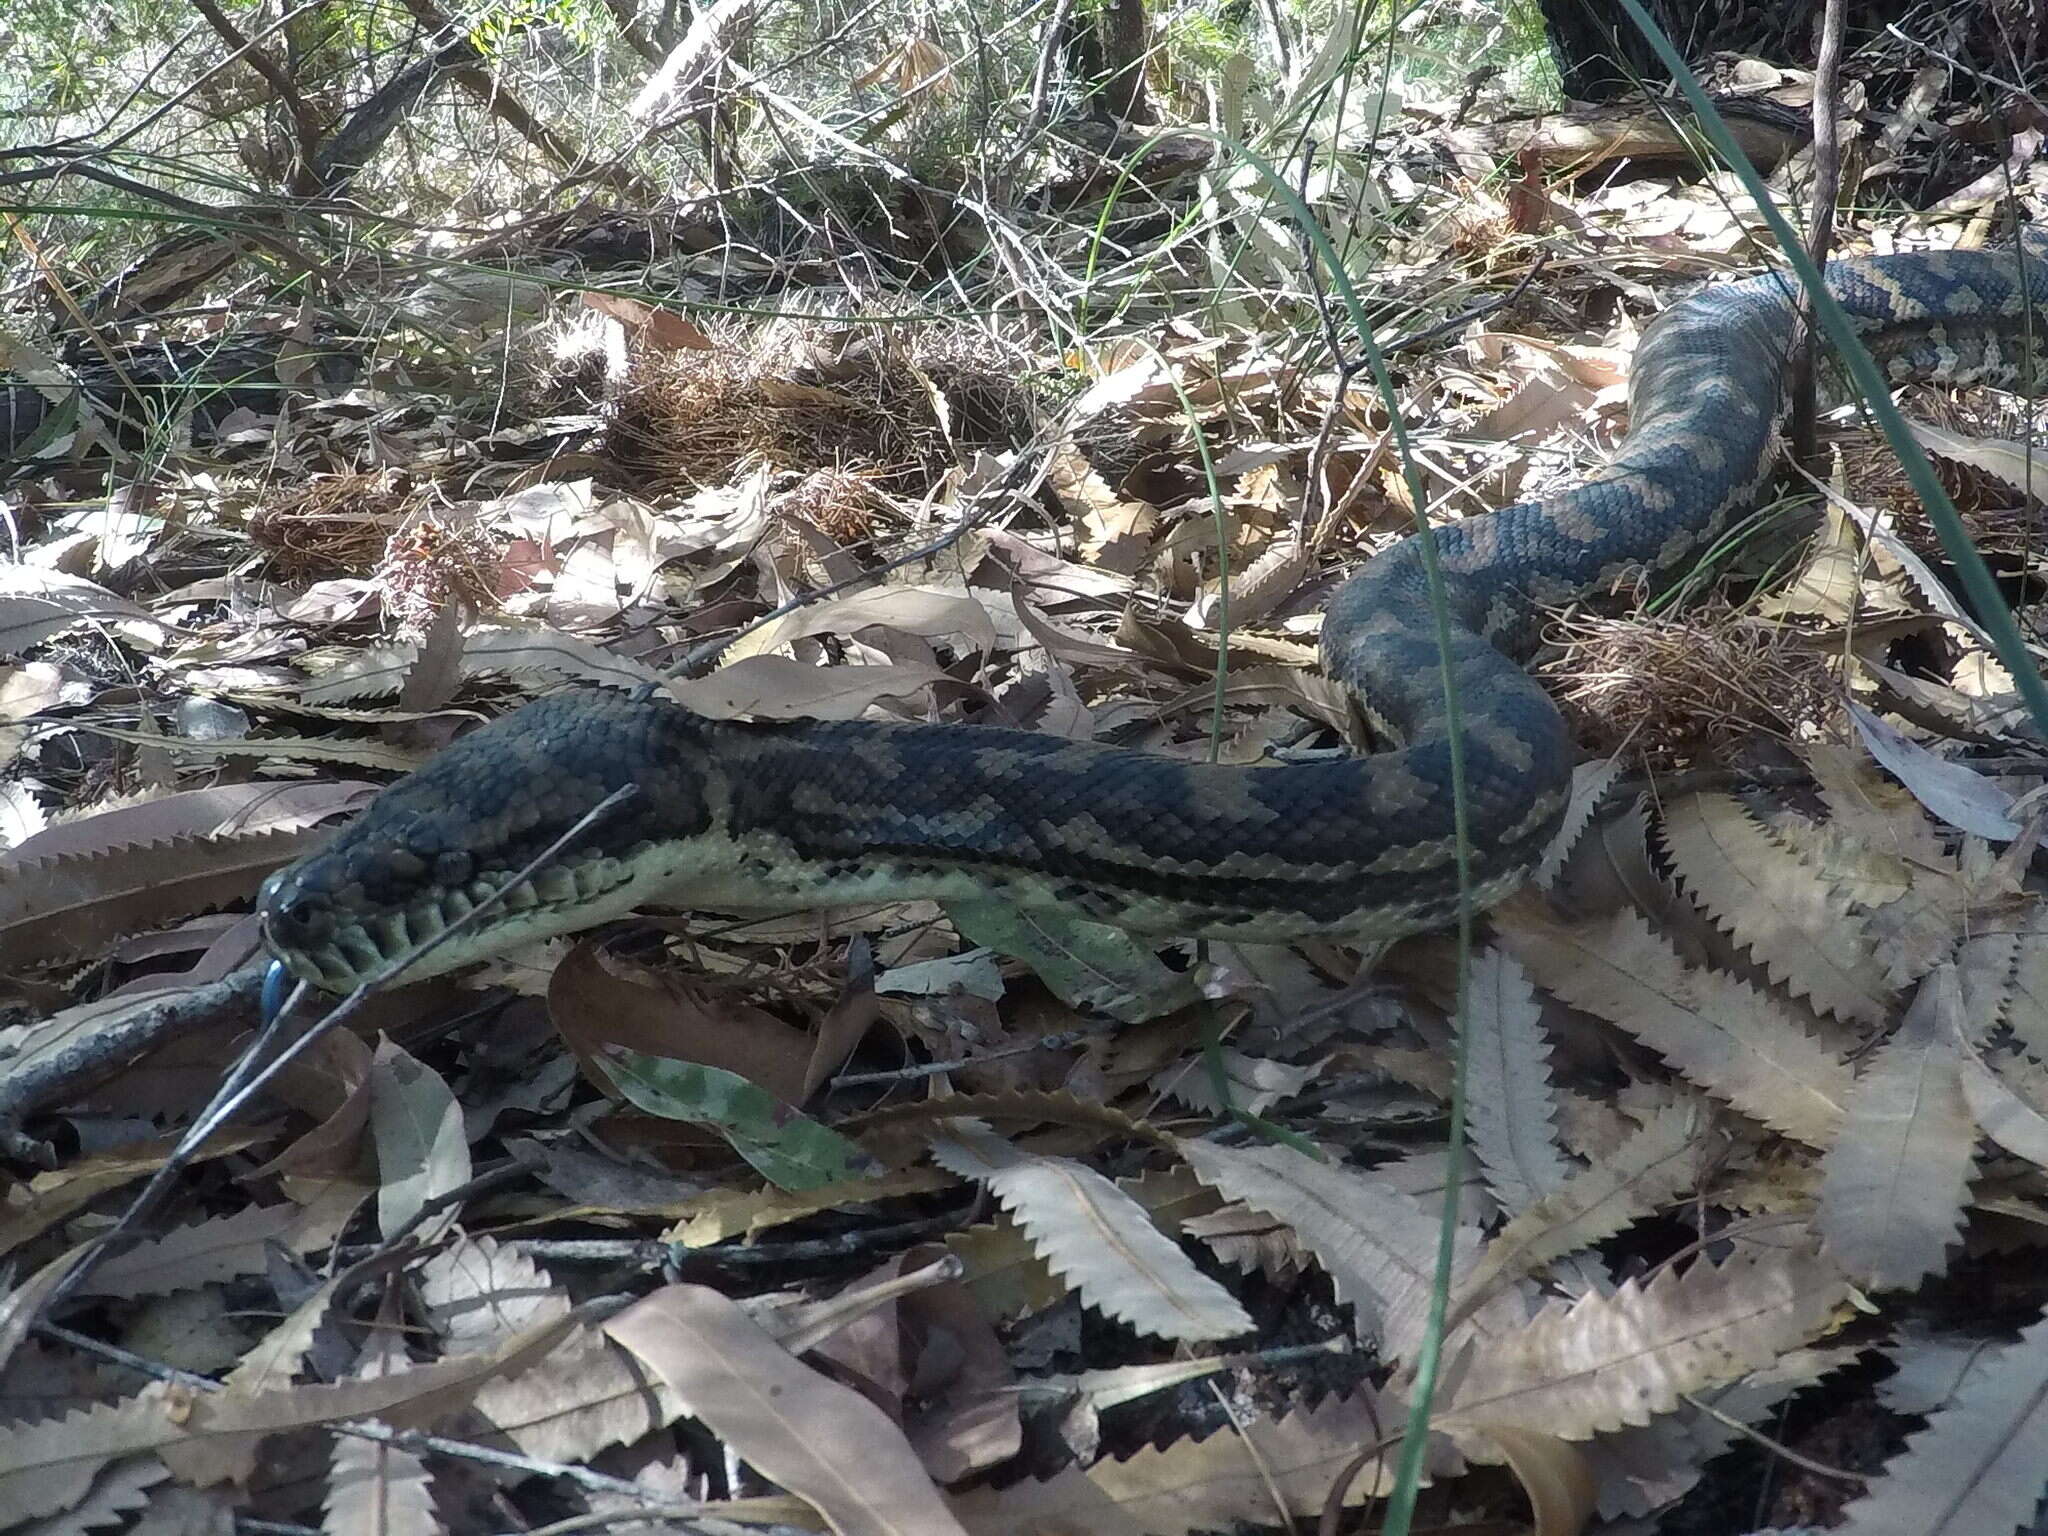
(1756, 1083)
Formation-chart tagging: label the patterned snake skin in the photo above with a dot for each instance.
(811, 813)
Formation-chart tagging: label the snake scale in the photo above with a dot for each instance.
(730, 814)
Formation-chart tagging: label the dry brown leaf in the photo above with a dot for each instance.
(226, 810)
(582, 1397)
(50, 1197)
(276, 1359)
(311, 749)
(37, 604)
(1378, 1244)
(487, 652)
(1004, 1272)
(2025, 984)
(1898, 1176)
(651, 324)
(922, 611)
(1553, 1474)
(47, 1464)
(1736, 1042)
(722, 1214)
(1260, 587)
(1591, 784)
(476, 1290)
(1786, 912)
(330, 1083)
(1250, 1240)
(586, 1395)
(1096, 1238)
(2020, 465)
(1233, 1475)
(782, 688)
(422, 1148)
(802, 1430)
(2003, 1115)
(1583, 1368)
(1251, 1083)
(1624, 1186)
(374, 1488)
(55, 909)
(222, 1247)
(1873, 812)
(1837, 578)
(1511, 1107)
(1954, 792)
(595, 1009)
(1978, 1467)
(1642, 1470)
(968, 1415)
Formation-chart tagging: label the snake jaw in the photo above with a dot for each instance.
(333, 931)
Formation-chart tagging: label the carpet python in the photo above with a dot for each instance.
(736, 815)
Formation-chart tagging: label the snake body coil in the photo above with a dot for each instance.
(811, 813)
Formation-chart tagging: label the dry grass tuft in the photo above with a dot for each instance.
(1994, 512)
(697, 418)
(336, 526)
(1676, 690)
(838, 503)
(819, 394)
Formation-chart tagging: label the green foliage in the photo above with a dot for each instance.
(586, 25)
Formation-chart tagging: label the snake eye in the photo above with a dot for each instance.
(298, 917)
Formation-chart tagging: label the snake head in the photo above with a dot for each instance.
(383, 888)
(459, 834)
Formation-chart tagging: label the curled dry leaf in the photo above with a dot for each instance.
(596, 1009)
(2019, 465)
(1553, 1474)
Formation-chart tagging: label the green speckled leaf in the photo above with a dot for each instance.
(788, 1149)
